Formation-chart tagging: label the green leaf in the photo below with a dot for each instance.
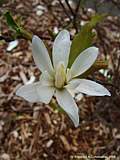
(96, 19)
(10, 21)
(19, 31)
(84, 38)
(99, 64)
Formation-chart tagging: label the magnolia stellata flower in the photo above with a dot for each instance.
(58, 80)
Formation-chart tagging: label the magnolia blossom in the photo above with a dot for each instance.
(58, 80)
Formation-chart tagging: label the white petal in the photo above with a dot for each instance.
(71, 87)
(36, 93)
(73, 84)
(92, 88)
(84, 61)
(40, 55)
(68, 104)
(72, 92)
(61, 48)
(46, 79)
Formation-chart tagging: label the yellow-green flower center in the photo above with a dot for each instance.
(60, 76)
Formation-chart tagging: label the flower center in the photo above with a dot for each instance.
(60, 76)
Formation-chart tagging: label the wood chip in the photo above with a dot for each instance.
(49, 143)
(65, 143)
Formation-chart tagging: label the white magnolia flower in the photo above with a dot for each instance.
(58, 80)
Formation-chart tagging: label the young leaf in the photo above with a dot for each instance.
(10, 21)
(15, 27)
(84, 38)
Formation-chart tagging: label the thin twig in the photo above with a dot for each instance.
(75, 15)
(65, 11)
(9, 39)
(105, 83)
(6, 39)
(77, 8)
(71, 10)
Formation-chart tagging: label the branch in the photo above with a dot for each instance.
(105, 83)
(64, 9)
(71, 10)
(6, 39)
(9, 39)
(75, 15)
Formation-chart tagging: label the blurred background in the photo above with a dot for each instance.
(36, 131)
